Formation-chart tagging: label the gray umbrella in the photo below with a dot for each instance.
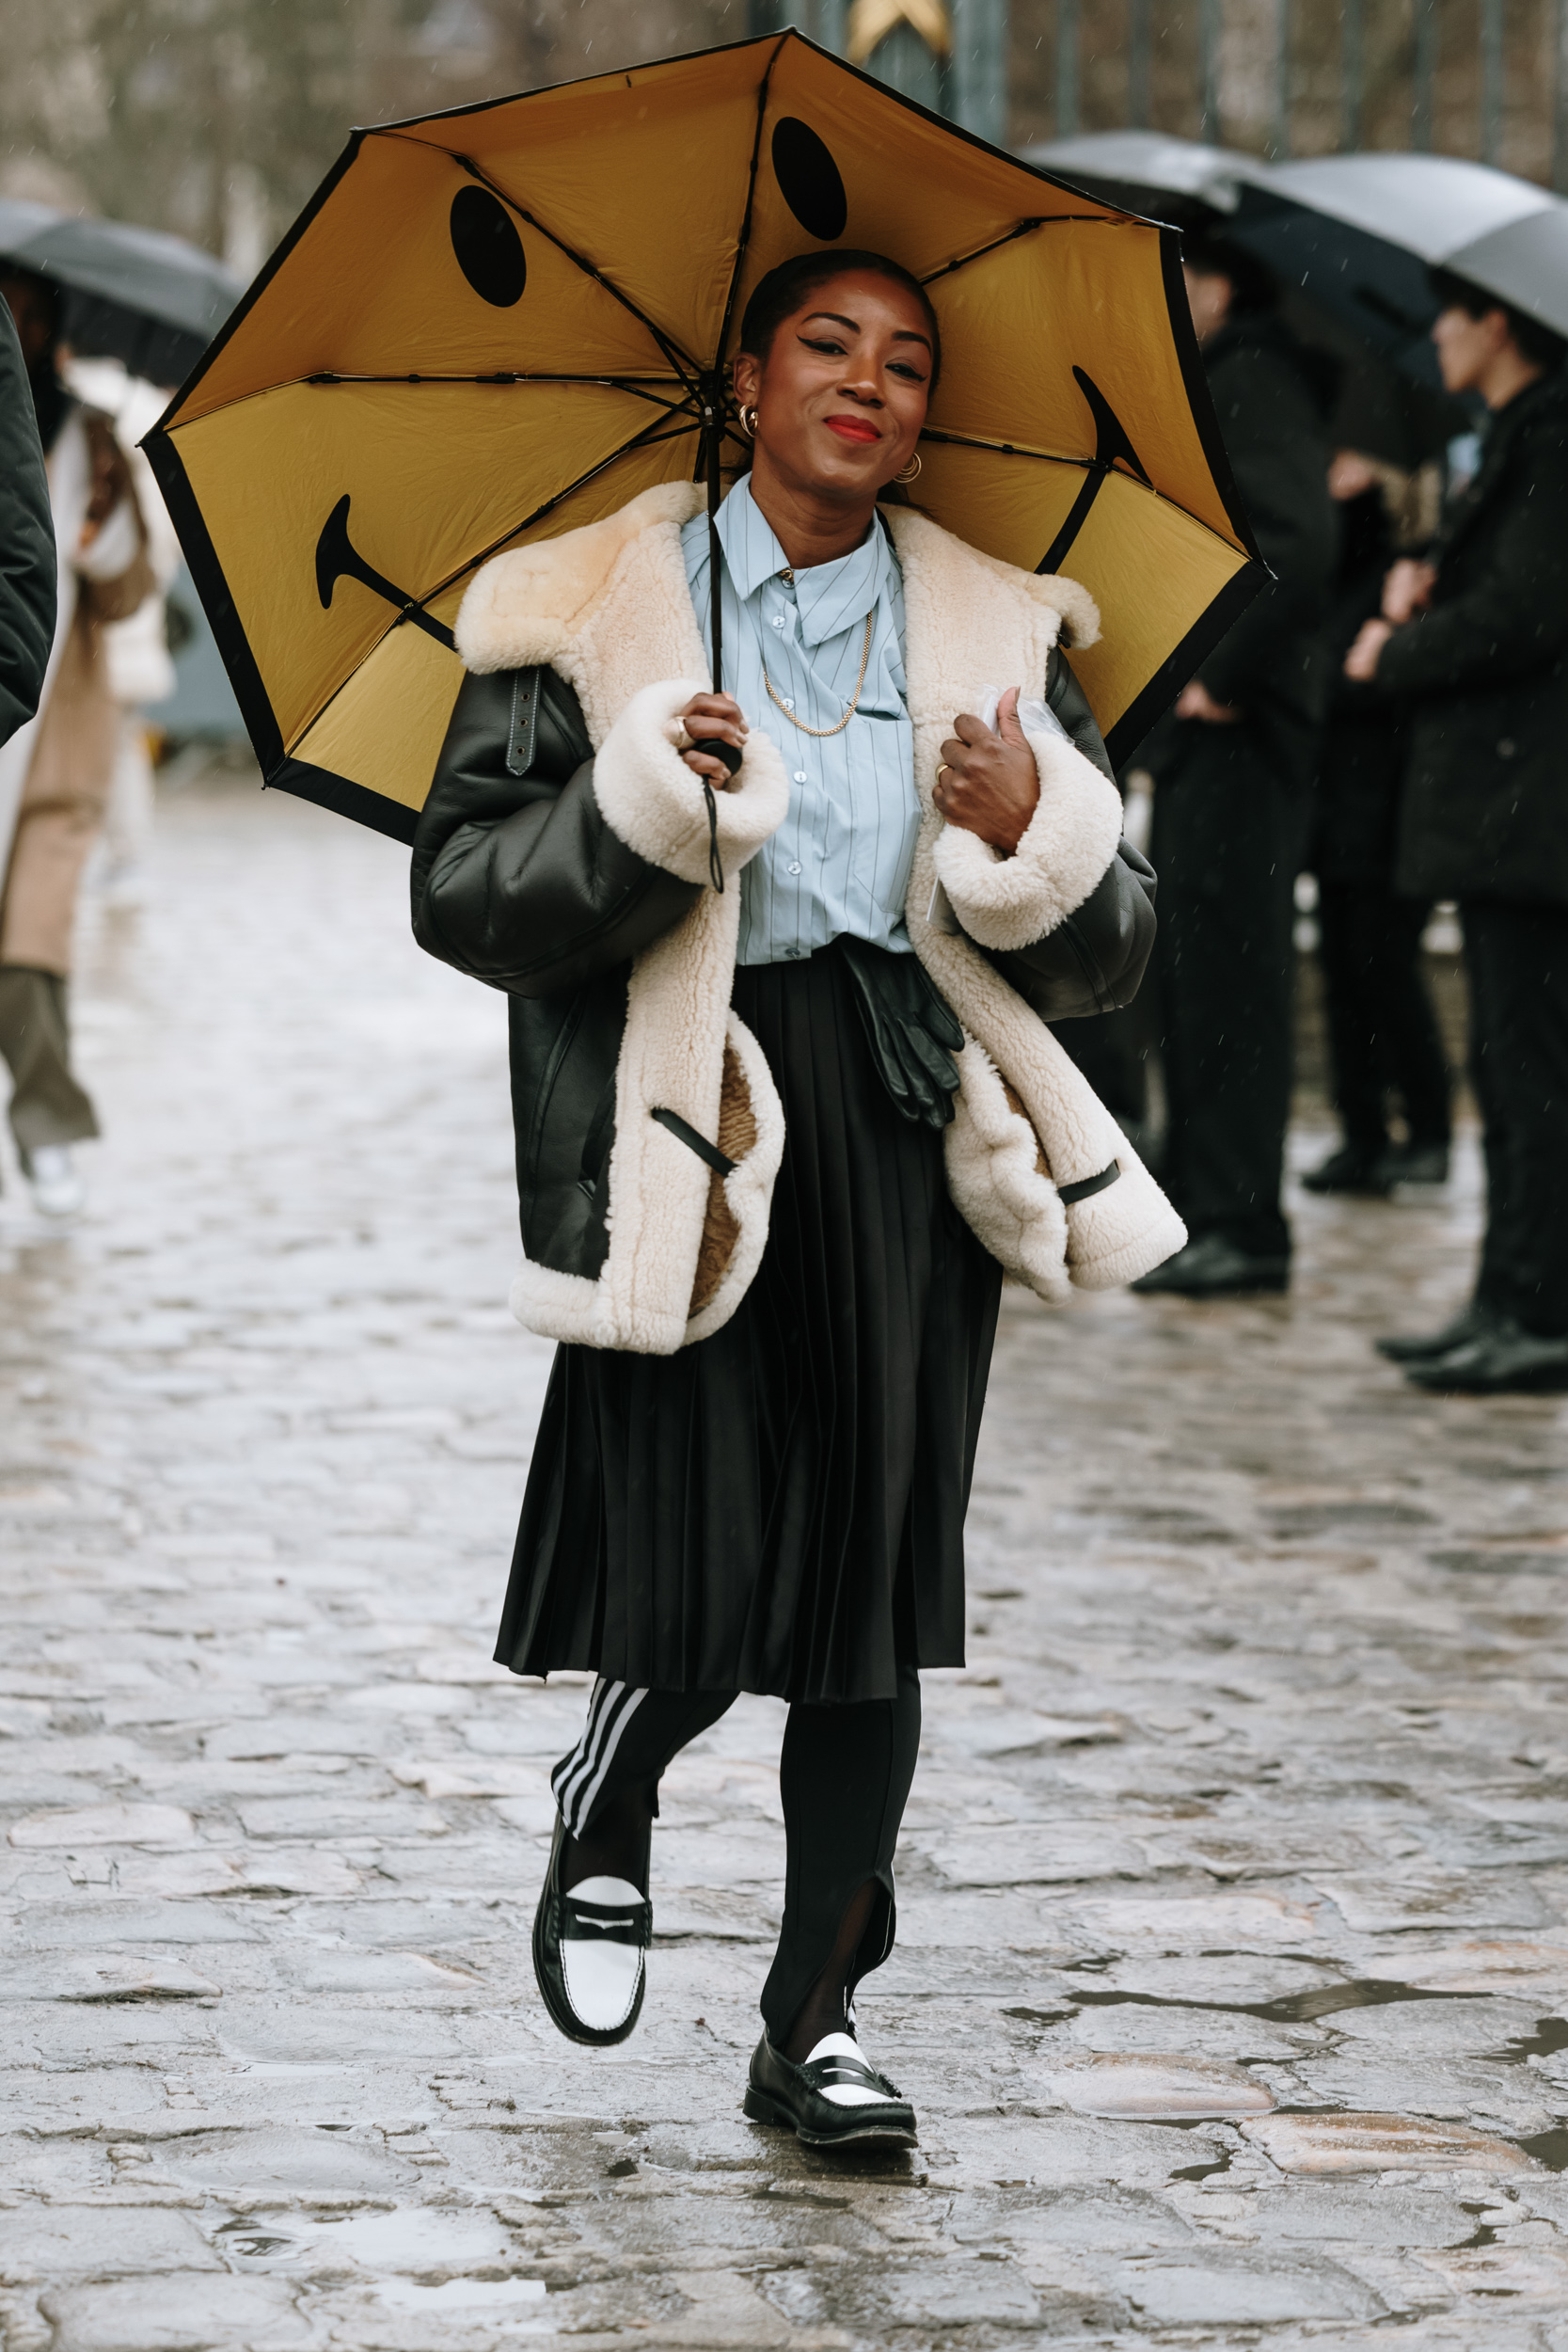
(1181, 181)
(130, 293)
(1357, 232)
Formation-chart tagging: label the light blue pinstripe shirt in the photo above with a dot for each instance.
(840, 861)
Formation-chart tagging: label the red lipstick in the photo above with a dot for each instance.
(853, 429)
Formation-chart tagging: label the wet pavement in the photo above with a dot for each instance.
(1233, 1892)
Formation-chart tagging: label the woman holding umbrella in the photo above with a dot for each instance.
(721, 920)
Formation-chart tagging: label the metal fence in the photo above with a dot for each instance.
(1465, 76)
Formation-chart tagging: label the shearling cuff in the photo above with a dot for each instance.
(1009, 903)
(651, 799)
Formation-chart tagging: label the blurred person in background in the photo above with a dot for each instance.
(139, 665)
(1233, 771)
(1477, 642)
(27, 571)
(1383, 1034)
(56, 770)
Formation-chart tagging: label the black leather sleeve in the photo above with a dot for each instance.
(1094, 961)
(516, 877)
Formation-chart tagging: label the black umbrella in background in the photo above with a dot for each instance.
(132, 295)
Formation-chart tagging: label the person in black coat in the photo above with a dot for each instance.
(1233, 775)
(27, 571)
(1382, 1030)
(1478, 641)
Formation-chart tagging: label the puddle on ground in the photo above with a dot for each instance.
(1549, 2149)
(1291, 2008)
(1499, 1562)
(1551, 2035)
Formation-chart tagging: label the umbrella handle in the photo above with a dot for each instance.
(730, 754)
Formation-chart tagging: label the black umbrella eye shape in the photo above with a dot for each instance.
(488, 248)
(809, 180)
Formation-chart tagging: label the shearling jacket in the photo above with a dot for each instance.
(563, 856)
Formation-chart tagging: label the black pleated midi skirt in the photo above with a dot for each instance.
(780, 1508)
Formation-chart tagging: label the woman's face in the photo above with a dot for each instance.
(841, 397)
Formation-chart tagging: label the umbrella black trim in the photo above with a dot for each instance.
(1195, 380)
(1153, 700)
(327, 790)
(207, 578)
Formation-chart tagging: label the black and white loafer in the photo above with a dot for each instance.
(833, 2101)
(589, 1949)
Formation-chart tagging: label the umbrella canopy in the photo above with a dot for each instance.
(134, 295)
(494, 325)
(1356, 233)
(1183, 180)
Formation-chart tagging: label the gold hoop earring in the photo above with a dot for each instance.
(911, 471)
(748, 422)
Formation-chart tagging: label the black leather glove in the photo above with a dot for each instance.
(912, 1032)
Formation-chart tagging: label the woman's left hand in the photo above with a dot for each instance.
(988, 783)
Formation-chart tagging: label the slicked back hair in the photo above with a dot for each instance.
(780, 294)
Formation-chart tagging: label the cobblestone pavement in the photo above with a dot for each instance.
(1233, 1948)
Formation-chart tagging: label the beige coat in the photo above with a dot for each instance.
(56, 773)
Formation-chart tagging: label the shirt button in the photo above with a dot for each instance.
(778, 620)
(800, 776)
(796, 866)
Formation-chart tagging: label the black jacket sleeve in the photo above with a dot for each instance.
(1094, 961)
(27, 582)
(1512, 617)
(516, 877)
(1275, 439)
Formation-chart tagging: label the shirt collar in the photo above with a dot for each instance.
(831, 598)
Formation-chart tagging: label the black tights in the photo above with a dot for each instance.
(844, 1776)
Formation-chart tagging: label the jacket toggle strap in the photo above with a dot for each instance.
(694, 1142)
(1086, 1186)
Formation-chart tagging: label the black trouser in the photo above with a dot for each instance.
(47, 1104)
(1228, 832)
(1383, 1033)
(843, 1775)
(1517, 957)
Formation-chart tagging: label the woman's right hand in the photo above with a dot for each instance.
(705, 716)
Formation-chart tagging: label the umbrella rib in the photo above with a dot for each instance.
(1022, 228)
(508, 376)
(684, 366)
(763, 88)
(1081, 465)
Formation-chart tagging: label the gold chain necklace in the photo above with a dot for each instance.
(820, 732)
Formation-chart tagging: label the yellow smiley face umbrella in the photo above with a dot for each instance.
(494, 325)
